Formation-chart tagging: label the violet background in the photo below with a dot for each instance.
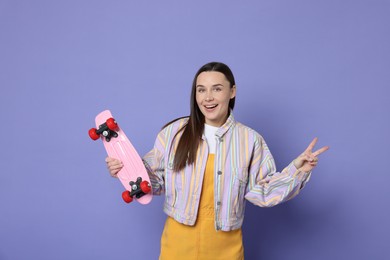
(303, 69)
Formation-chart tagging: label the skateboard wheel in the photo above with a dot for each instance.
(126, 196)
(92, 133)
(145, 187)
(111, 124)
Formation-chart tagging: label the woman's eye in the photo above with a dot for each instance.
(200, 90)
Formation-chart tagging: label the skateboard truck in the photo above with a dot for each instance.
(138, 189)
(107, 130)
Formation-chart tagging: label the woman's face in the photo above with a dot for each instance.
(213, 93)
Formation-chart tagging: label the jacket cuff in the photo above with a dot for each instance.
(301, 177)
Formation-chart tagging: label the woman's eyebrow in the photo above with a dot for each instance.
(215, 85)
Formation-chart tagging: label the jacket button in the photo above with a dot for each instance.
(219, 173)
(219, 203)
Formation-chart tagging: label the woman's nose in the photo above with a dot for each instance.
(209, 96)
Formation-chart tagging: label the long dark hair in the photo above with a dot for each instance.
(193, 129)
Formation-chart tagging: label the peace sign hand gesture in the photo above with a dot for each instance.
(309, 159)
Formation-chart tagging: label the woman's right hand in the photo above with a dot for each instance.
(113, 166)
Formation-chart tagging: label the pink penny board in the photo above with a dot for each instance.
(120, 148)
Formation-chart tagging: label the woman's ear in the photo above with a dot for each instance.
(233, 92)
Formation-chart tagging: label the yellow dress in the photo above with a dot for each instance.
(201, 241)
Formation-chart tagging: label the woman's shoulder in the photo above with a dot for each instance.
(176, 122)
(174, 126)
(242, 128)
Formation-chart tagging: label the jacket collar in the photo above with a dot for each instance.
(230, 122)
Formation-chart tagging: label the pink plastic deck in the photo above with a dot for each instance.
(122, 149)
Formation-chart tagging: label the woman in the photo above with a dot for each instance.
(207, 165)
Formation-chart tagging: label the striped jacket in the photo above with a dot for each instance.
(244, 169)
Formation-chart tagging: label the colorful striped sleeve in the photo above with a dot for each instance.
(266, 186)
(154, 162)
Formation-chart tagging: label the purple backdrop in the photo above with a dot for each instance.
(303, 69)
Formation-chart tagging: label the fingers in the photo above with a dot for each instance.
(321, 150)
(314, 163)
(311, 145)
(304, 158)
(308, 167)
(113, 166)
(110, 159)
(309, 157)
(309, 149)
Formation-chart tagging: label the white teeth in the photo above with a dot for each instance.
(211, 106)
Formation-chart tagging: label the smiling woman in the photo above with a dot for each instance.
(208, 165)
(213, 80)
(213, 94)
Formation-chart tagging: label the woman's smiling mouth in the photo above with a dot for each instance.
(210, 107)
